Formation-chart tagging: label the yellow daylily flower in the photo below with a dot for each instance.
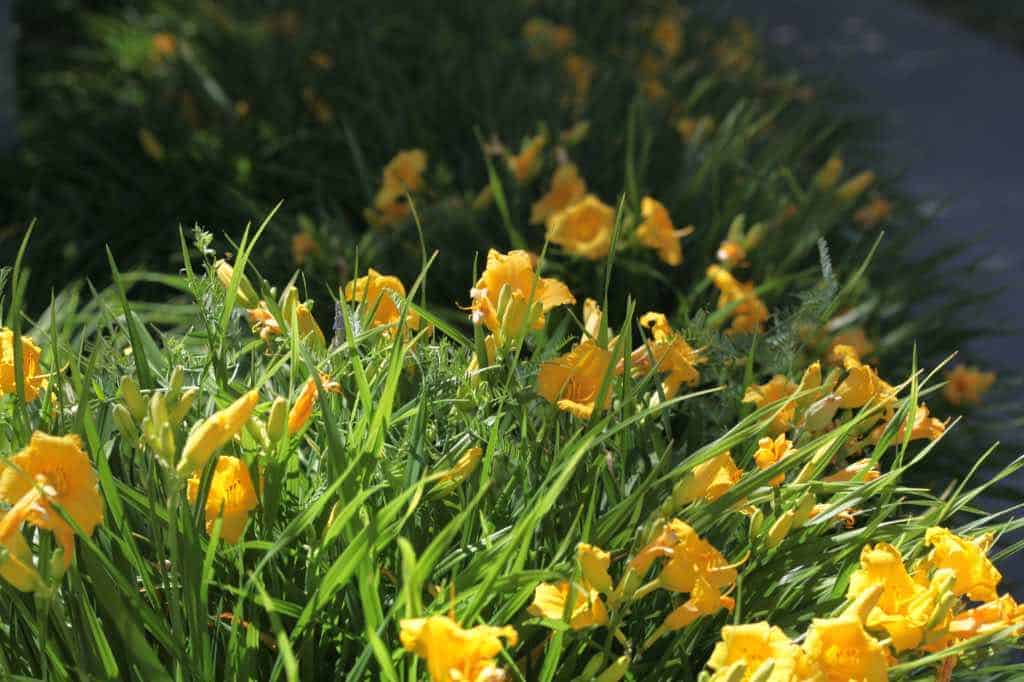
(853, 338)
(304, 246)
(30, 352)
(455, 654)
(527, 162)
(403, 174)
(750, 313)
(50, 470)
(708, 480)
(828, 175)
(731, 253)
(594, 563)
(514, 273)
(770, 452)
(588, 609)
(231, 496)
(583, 229)
(842, 651)
(925, 427)
(704, 600)
(862, 385)
(976, 576)
(754, 644)
(17, 566)
(572, 382)
(657, 232)
(376, 294)
(567, 187)
(855, 186)
(215, 432)
(669, 354)
(851, 471)
(777, 388)
(965, 385)
(905, 607)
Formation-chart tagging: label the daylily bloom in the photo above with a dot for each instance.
(842, 650)
(863, 385)
(594, 563)
(669, 354)
(754, 644)
(527, 162)
(750, 313)
(708, 480)
(513, 273)
(906, 607)
(874, 212)
(454, 654)
(770, 452)
(50, 470)
(584, 228)
(567, 187)
(216, 431)
(17, 566)
(976, 577)
(965, 385)
(731, 253)
(376, 294)
(775, 389)
(231, 496)
(924, 427)
(572, 382)
(403, 174)
(588, 609)
(852, 470)
(658, 232)
(30, 352)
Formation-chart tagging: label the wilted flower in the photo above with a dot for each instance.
(231, 497)
(583, 229)
(454, 654)
(30, 352)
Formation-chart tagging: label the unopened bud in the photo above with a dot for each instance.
(309, 330)
(158, 410)
(177, 381)
(855, 186)
(756, 521)
(124, 423)
(780, 529)
(829, 174)
(593, 665)
(132, 398)
(245, 294)
(803, 509)
(616, 671)
(177, 414)
(820, 414)
(277, 421)
(289, 301)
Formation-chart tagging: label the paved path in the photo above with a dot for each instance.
(952, 108)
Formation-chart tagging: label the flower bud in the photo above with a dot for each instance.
(855, 186)
(216, 431)
(245, 294)
(829, 174)
(177, 381)
(181, 408)
(756, 521)
(820, 414)
(288, 303)
(803, 509)
(592, 666)
(309, 330)
(132, 398)
(616, 671)
(124, 422)
(780, 529)
(277, 422)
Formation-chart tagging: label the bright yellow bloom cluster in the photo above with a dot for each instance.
(749, 312)
(453, 653)
(551, 600)
(51, 470)
(30, 352)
